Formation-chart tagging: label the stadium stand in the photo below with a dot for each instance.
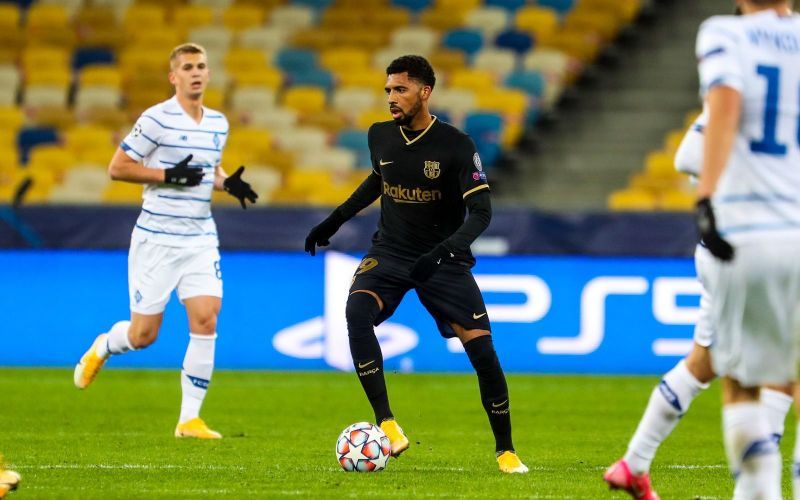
(75, 73)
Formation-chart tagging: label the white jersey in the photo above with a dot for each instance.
(689, 157)
(758, 55)
(163, 136)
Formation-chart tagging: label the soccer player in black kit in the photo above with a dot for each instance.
(427, 174)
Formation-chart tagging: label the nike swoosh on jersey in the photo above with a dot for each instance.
(384, 163)
(365, 364)
(478, 316)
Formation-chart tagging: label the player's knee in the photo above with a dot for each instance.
(481, 353)
(142, 337)
(361, 311)
(204, 323)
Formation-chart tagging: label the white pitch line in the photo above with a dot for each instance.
(132, 466)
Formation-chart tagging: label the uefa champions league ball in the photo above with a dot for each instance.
(363, 447)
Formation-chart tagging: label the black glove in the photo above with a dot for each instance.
(236, 187)
(704, 215)
(320, 235)
(182, 174)
(428, 263)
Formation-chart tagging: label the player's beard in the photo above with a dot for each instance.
(406, 118)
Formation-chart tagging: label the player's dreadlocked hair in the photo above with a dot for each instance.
(417, 68)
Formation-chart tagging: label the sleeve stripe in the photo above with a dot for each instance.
(127, 148)
(477, 188)
(713, 52)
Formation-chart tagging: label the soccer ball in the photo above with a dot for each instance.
(363, 447)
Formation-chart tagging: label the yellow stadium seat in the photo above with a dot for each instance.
(342, 18)
(98, 26)
(46, 58)
(51, 158)
(363, 77)
(123, 193)
(329, 122)
(507, 101)
(442, 19)
(188, 17)
(627, 200)
(12, 40)
(257, 142)
(367, 118)
(241, 60)
(241, 17)
(113, 118)
(388, 18)
(47, 76)
(214, 98)
(346, 59)
(447, 60)
(605, 24)
(578, 44)
(305, 99)
(9, 16)
(457, 5)
(11, 118)
(100, 74)
(42, 16)
(661, 164)
(134, 61)
(81, 140)
(479, 80)
(144, 18)
(677, 200)
(541, 21)
(625, 10)
(266, 77)
(672, 141)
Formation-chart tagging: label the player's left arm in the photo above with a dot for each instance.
(722, 83)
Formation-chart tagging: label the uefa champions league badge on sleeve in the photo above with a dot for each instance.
(137, 130)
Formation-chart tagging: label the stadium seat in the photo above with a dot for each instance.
(292, 17)
(529, 81)
(295, 60)
(414, 40)
(632, 200)
(576, 43)
(315, 77)
(489, 20)
(157, 41)
(218, 5)
(672, 141)
(356, 141)
(337, 159)
(560, 6)
(50, 157)
(500, 62)
(45, 59)
(301, 139)
(351, 101)
(305, 99)
(81, 139)
(468, 41)
(413, 5)
(268, 39)
(263, 77)
(9, 84)
(554, 64)
(446, 60)
(365, 78)
(188, 17)
(214, 98)
(256, 141)
(344, 58)
(122, 193)
(509, 102)
(676, 200)
(100, 74)
(11, 118)
(138, 15)
(10, 15)
(241, 17)
(48, 25)
(12, 40)
(477, 79)
(85, 56)
(212, 38)
(81, 185)
(485, 129)
(541, 21)
(455, 101)
(89, 97)
(516, 40)
(250, 99)
(45, 96)
(274, 119)
(661, 164)
(442, 19)
(601, 22)
(241, 60)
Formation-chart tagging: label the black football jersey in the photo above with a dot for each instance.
(425, 178)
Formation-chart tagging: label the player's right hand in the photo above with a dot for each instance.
(706, 223)
(320, 235)
(182, 174)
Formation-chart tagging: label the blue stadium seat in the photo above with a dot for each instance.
(23, 4)
(314, 4)
(530, 82)
(562, 6)
(356, 141)
(315, 77)
(33, 136)
(512, 5)
(413, 5)
(518, 41)
(467, 40)
(291, 60)
(91, 55)
(485, 128)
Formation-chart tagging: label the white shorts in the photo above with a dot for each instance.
(703, 332)
(754, 301)
(154, 271)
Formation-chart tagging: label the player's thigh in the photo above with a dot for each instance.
(753, 310)
(153, 272)
(451, 295)
(384, 277)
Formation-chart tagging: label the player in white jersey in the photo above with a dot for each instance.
(175, 150)
(672, 397)
(748, 213)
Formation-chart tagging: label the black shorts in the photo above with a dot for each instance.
(450, 295)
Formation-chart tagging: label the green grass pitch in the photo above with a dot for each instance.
(114, 440)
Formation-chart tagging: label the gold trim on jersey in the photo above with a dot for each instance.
(476, 188)
(410, 142)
